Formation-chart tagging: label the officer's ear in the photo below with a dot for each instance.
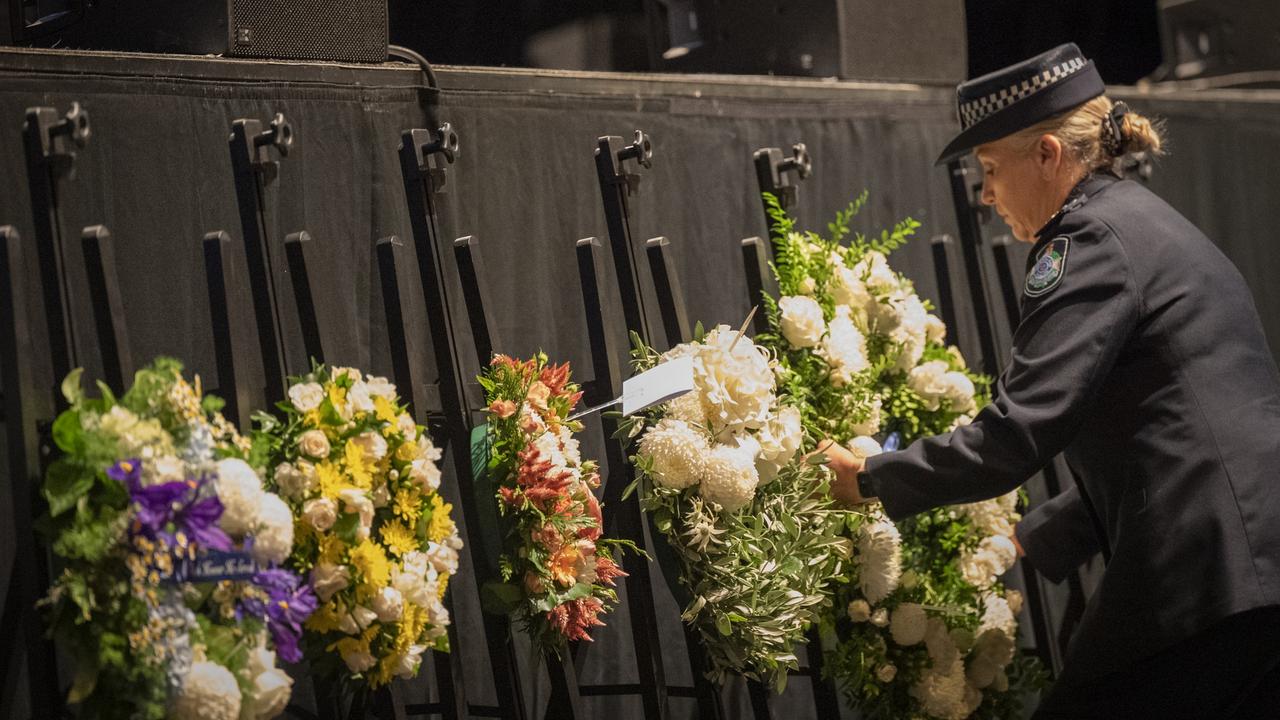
(1049, 155)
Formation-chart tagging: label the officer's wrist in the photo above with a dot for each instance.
(866, 486)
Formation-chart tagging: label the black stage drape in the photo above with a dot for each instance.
(157, 172)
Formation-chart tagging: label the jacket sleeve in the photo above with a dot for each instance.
(1058, 535)
(1065, 346)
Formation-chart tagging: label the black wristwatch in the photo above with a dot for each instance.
(866, 486)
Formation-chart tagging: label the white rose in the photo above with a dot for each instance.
(676, 452)
(313, 443)
(886, 673)
(306, 396)
(802, 321)
(388, 604)
(209, 692)
(327, 579)
(728, 477)
(354, 500)
(240, 490)
(859, 610)
(273, 539)
(320, 513)
(864, 447)
(909, 624)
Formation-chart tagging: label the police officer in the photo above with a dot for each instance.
(1140, 356)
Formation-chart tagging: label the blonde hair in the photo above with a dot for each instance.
(1083, 133)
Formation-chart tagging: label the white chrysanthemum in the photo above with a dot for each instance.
(208, 692)
(273, 536)
(729, 477)
(937, 638)
(240, 490)
(859, 610)
(687, 407)
(942, 691)
(779, 440)
(802, 321)
(871, 425)
(306, 396)
(844, 347)
(908, 624)
(880, 560)
(676, 451)
(864, 447)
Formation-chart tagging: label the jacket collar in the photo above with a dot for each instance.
(1090, 185)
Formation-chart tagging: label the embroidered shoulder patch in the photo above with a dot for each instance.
(1050, 266)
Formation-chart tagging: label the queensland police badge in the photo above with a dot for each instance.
(1050, 265)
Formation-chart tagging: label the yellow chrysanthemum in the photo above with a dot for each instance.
(357, 466)
(408, 452)
(371, 562)
(326, 617)
(330, 480)
(399, 539)
(337, 395)
(311, 418)
(330, 549)
(412, 622)
(384, 410)
(441, 525)
(442, 586)
(408, 503)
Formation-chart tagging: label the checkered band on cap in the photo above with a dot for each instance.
(977, 110)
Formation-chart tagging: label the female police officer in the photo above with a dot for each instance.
(1140, 356)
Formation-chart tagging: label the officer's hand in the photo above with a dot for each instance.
(846, 467)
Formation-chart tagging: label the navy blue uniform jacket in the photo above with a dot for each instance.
(1144, 362)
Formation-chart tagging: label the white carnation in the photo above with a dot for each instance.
(327, 579)
(997, 615)
(878, 276)
(358, 660)
(934, 329)
(240, 490)
(926, 381)
(443, 557)
(994, 556)
(359, 397)
(880, 558)
(990, 517)
(363, 616)
(1014, 598)
(273, 538)
(728, 477)
(779, 440)
(844, 348)
(388, 604)
(958, 390)
(271, 686)
(425, 473)
(802, 321)
(372, 444)
(355, 500)
(209, 692)
(407, 663)
(807, 286)
(306, 396)
(292, 481)
(848, 289)
(908, 624)
(676, 452)
(871, 425)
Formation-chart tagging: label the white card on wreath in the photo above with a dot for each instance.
(656, 385)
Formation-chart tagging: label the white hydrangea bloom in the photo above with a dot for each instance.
(908, 624)
(676, 451)
(729, 476)
(209, 692)
(880, 560)
(273, 537)
(802, 321)
(240, 490)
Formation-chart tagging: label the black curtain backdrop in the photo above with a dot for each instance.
(157, 173)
